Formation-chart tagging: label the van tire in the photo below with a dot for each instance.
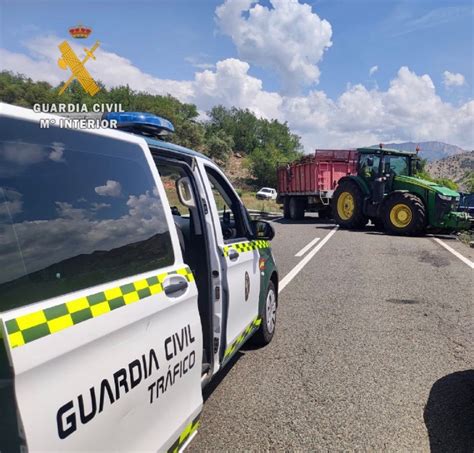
(265, 332)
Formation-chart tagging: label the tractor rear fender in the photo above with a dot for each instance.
(359, 181)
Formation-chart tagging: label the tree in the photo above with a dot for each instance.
(266, 142)
(263, 163)
(219, 146)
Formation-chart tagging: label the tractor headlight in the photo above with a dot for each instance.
(445, 197)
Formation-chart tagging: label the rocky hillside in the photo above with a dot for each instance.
(428, 150)
(238, 172)
(454, 167)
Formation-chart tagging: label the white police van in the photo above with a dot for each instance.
(130, 273)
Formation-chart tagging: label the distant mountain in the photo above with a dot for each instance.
(455, 167)
(428, 150)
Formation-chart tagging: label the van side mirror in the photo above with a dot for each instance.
(263, 230)
(185, 192)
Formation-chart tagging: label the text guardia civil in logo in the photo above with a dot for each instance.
(69, 60)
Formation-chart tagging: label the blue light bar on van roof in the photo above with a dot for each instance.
(141, 122)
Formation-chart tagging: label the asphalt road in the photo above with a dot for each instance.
(373, 351)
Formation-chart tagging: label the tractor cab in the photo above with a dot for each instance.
(385, 163)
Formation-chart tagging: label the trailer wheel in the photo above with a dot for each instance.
(404, 214)
(286, 208)
(296, 208)
(347, 206)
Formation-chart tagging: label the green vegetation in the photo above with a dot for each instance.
(265, 143)
(423, 174)
(468, 181)
(262, 142)
(251, 202)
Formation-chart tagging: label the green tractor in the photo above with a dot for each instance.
(386, 191)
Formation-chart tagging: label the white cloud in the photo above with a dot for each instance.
(56, 154)
(410, 109)
(197, 62)
(287, 38)
(111, 189)
(230, 85)
(13, 204)
(98, 206)
(75, 232)
(31, 153)
(451, 79)
(373, 70)
(40, 63)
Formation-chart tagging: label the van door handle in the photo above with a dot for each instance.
(174, 288)
(233, 254)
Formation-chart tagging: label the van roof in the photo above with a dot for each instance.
(173, 147)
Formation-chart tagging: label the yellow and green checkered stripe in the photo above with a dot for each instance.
(246, 246)
(190, 429)
(242, 337)
(38, 324)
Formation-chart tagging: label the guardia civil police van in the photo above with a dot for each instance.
(130, 274)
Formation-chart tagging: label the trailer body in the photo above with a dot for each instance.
(309, 183)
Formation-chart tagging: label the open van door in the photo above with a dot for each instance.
(98, 313)
(239, 261)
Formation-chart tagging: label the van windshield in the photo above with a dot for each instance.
(76, 210)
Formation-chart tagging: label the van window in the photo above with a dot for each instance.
(229, 207)
(76, 210)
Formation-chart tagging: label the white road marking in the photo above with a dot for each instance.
(294, 272)
(307, 247)
(455, 253)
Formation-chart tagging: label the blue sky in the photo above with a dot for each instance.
(175, 39)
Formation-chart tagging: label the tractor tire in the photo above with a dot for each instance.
(286, 208)
(296, 208)
(347, 206)
(404, 214)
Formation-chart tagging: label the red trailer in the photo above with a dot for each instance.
(309, 183)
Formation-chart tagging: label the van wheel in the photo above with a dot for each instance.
(264, 334)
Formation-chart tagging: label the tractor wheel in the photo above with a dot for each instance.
(296, 208)
(405, 214)
(347, 206)
(286, 208)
